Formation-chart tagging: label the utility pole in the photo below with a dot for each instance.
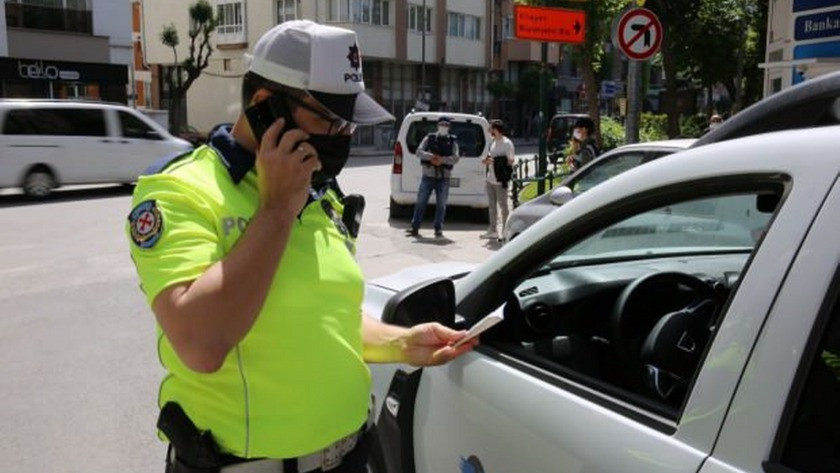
(542, 117)
(423, 55)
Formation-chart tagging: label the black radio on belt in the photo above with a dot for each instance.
(354, 207)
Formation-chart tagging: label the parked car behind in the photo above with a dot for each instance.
(45, 144)
(682, 317)
(466, 187)
(604, 167)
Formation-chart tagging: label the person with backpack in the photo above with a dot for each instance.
(438, 153)
(498, 165)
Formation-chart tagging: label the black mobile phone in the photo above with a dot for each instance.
(263, 114)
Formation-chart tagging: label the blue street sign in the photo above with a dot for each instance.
(803, 5)
(820, 25)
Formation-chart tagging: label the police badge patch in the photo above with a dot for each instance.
(146, 224)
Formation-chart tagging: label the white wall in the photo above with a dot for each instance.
(112, 18)
(472, 7)
(465, 52)
(414, 47)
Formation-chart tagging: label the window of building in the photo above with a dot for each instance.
(288, 10)
(464, 26)
(230, 16)
(416, 18)
(60, 15)
(372, 12)
(507, 27)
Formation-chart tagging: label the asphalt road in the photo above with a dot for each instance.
(79, 372)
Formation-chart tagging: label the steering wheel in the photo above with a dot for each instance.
(659, 327)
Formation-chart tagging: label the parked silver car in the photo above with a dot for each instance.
(606, 166)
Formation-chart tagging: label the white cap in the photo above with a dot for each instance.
(323, 60)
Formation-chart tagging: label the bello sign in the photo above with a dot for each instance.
(549, 24)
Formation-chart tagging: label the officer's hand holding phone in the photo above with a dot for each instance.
(285, 162)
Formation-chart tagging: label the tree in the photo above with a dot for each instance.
(678, 45)
(182, 74)
(589, 56)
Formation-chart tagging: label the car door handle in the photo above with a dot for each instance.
(105, 140)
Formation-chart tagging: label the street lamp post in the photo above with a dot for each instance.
(423, 55)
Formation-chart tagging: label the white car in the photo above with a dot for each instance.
(606, 166)
(466, 187)
(683, 316)
(45, 144)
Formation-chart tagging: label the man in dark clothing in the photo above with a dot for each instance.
(438, 153)
(584, 147)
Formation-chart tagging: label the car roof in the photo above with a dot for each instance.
(680, 143)
(451, 115)
(53, 103)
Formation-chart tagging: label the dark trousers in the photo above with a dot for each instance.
(441, 187)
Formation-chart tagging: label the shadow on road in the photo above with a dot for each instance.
(67, 195)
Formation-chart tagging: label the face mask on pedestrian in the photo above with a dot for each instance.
(577, 135)
(443, 129)
(714, 125)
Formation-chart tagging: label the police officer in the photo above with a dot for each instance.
(438, 153)
(244, 258)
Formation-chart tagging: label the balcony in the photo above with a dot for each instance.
(48, 18)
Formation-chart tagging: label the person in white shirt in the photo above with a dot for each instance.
(498, 166)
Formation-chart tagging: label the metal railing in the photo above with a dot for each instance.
(525, 172)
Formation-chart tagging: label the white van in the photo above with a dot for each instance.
(48, 143)
(466, 187)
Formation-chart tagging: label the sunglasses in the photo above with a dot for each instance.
(338, 125)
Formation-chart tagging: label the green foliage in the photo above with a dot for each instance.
(653, 127)
(169, 36)
(501, 89)
(612, 133)
(692, 126)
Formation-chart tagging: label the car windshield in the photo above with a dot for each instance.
(605, 169)
(471, 138)
(728, 223)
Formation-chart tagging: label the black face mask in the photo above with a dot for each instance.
(333, 151)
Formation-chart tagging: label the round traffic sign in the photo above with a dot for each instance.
(639, 34)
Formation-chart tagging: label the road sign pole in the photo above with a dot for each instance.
(543, 117)
(633, 103)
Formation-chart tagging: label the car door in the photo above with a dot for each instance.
(497, 409)
(139, 145)
(785, 414)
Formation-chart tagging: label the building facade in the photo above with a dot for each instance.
(437, 60)
(66, 49)
(803, 41)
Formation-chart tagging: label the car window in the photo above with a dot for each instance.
(629, 308)
(133, 127)
(471, 138)
(813, 442)
(606, 169)
(55, 121)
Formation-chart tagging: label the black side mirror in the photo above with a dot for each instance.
(430, 301)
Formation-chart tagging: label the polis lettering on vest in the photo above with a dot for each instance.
(229, 223)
